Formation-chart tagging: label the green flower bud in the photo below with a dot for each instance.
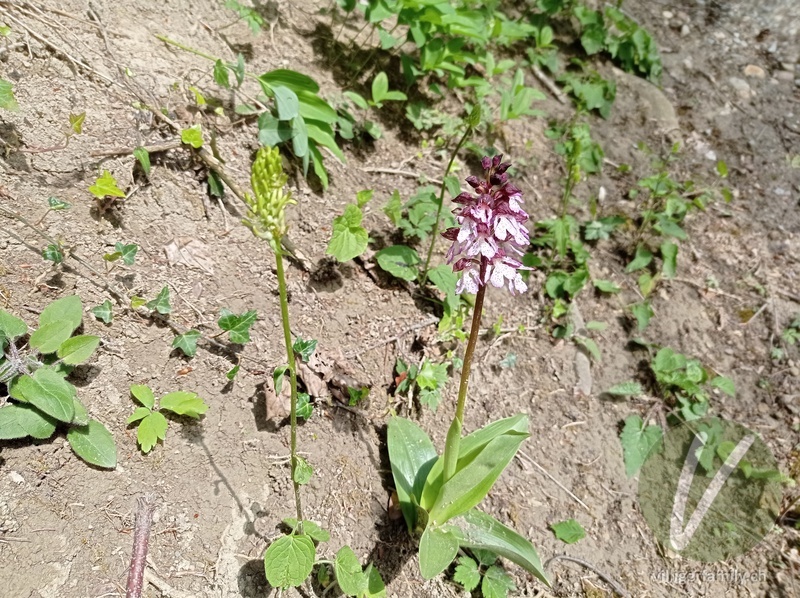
(266, 214)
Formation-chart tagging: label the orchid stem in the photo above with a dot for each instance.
(453, 441)
(287, 337)
(423, 279)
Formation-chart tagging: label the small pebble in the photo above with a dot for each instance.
(741, 87)
(751, 70)
(667, 15)
(784, 75)
(684, 30)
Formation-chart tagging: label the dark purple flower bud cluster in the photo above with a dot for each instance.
(491, 236)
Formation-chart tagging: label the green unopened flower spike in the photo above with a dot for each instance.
(266, 216)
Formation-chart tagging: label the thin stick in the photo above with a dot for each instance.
(548, 83)
(556, 482)
(156, 148)
(606, 578)
(405, 173)
(145, 506)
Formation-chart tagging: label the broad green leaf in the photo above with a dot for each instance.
(139, 413)
(304, 406)
(221, 74)
(187, 342)
(319, 166)
(78, 349)
(322, 134)
(286, 102)
(387, 40)
(669, 253)
(151, 429)
(315, 108)
(81, 417)
(143, 394)
(11, 327)
(237, 325)
(412, 456)
(373, 129)
(19, 421)
(289, 561)
(375, 585)
(478, 530)
(277, 377)
(399, 260)
(641, 260)
(310, 529)
(291, 79)
(626, 389)
(104, 312)
(7, 99)
(299, 137)
(67, 309)
(357, 99)
(642, 312)
(671, 229)
(76, 122)
(726, 385)
(497, 583)
(569, 531)
(438, 546)
(192, 136)
(53, 253)
(271, 131)
(57, 204)
(127, 252)
(183, 403)
(304, 348)
(106, 185)
(363, 197)
(48, 392)
(473, 480)
(349, 239)
(303, 472)
(349, 576)
(637, 442)
(161, 302)
(467, 573)
(380, 85)
(469, 447)
(94, 444)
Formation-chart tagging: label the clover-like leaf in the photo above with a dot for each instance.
(106, 185)
(183, 403)
(151, 429)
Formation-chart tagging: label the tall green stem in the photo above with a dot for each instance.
(287, 337)
(453, 440)
(435, 232)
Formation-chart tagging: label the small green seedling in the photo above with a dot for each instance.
(349, 238)
(790, 336)
(482, 571)
(124, 252)
(53, 205)
(106, 191)
(237, 325)
(37, 385)
(152, 425)
(7, 99)
(424, 382)
(54, 253)
(569, 531)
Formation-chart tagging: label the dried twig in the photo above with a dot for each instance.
(527, 459)
(606, 578)
(548, 83)
(145, 505)
(405, 173)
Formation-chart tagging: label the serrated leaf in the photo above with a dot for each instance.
(289, 561)
(641, 260)
(19, 421)
(399, 261)
(726, 385)
(94, 444)
(637, 442)
(183, 403)
(143, 394)
(48, 392)
(143, 156)
(187, 342)
(496, 583)
(349, 576)
(302, 472)
(192, 136)
(151, 429)
(349, 239)
(238, 326)
(127, 252)
(626, 389)
(104, 312)
(11, 327)
(78, 349)
(221, 74)
(569, 531)
(106, 185)
(139, 413)
(57, 204)
(161, 302)
(53, 253)
(76, 122)
(7, 99)
(467, 573)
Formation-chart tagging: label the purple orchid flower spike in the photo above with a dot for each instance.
(491, 236)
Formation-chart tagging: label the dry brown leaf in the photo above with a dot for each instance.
(189, 252)
(278, 406)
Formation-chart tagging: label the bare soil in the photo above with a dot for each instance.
(222, 483)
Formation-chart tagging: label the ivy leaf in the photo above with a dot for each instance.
(161, 302)
(637, 442)
(192, 136)
(349, 238)
(399, 261)
(151, 429)
(569, 531)
(303, 472)
(467, 573)
(94, 444)
(305, 349)
(304, 406)
(7, 99)
(53, 253)
(187, 342)
(143, 156)
(289, 561)
(183, 403)
(106, 185)
(76, 122)
(238, 326)
(126, 252)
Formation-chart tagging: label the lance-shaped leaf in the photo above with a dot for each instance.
(78, 348)
(478, 530)
(47, 391)
(412, 455)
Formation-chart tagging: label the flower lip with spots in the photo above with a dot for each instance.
(491, 236)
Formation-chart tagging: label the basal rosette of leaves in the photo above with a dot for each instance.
(40, 396)
(438, 495)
